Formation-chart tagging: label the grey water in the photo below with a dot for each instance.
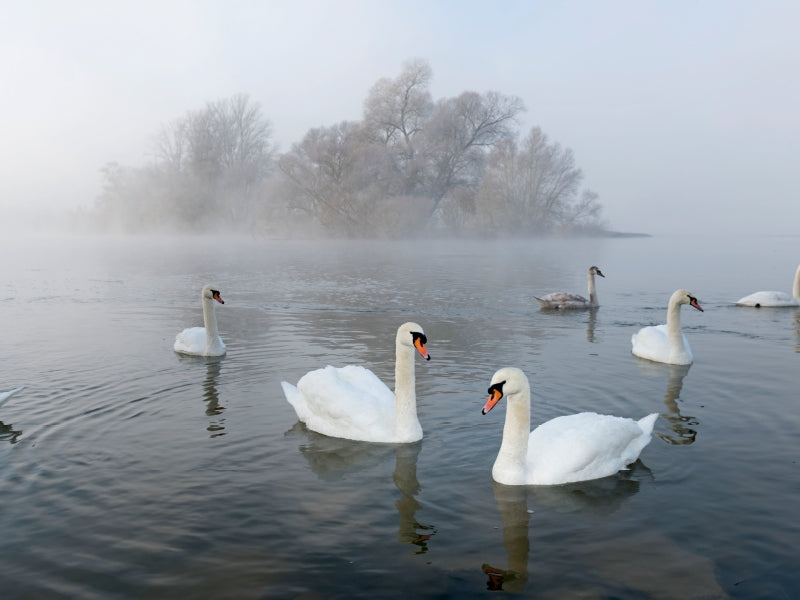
(128, 471)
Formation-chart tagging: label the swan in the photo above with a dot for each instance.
(666, 343)
(203, 341)
(774, 299)
(565, 300)
(6, 395)
(577, 447)
(352, 403)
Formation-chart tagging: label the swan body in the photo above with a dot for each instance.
(352, 403)
(577, 447)
(562, 300)
(666, 343)
(203, 341)
(6, 395)
(774, 299)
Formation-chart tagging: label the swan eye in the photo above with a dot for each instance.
(416, 335)
(497, 387)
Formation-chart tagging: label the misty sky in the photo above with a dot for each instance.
(683, 115)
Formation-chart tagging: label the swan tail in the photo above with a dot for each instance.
(542, 302)
(295, 398)
(647, 423)
(6, 395)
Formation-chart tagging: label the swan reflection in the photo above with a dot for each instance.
(598, 497)
(8, 433)
(682, 426)
(796, 327)
(590, 325)
(405, 478)
(331, 458)
(216, 427)
(511, 501)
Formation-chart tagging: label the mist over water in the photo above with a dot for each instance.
(127, 470)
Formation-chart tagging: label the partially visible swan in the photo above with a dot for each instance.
(774, 299)
(571, 448)
(352, 403)
(6, 395)
(666, 343)
(565, 300)
(203, 341)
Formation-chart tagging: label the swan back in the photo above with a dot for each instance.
(774, 299)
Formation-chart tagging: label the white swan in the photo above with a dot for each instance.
(774, 299)
(666, 343)
(6, 395)
(352, 403)
(571, 448)
(565, 300)
(203, 341)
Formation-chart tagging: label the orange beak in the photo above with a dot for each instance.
(420, 346)
(218, 298)
(494, 397)
(693, 302)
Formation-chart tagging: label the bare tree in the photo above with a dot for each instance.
(534, 188)
(326, 168)
(458, 135)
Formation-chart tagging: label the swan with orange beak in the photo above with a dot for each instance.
(577, 447)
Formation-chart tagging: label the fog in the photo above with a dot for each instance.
(681, 116)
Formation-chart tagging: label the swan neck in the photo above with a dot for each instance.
(674, 324)
(592, 290)
(210, 319)
(514, 448)
(405, 399)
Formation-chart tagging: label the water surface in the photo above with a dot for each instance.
(128, 471)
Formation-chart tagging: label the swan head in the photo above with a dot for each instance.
(411, 335)
(596, 271)
(685, 297)
(210, 293)
(505, 382)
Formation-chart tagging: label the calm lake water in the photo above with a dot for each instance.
(128, 471)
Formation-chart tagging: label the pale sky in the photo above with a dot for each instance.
(683, 115)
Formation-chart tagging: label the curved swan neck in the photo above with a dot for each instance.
(405, 398)
(796, 286)
(674, 323)
(514, 448)
(590, 285)
(210, 319)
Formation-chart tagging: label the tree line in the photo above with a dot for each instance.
(412, 164)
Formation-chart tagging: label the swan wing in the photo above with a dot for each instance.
(563, 300)
(191, 341)
(348, 402)
(585, 446)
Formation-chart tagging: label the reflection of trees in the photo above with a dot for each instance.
(330, 458)
(211, 397)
